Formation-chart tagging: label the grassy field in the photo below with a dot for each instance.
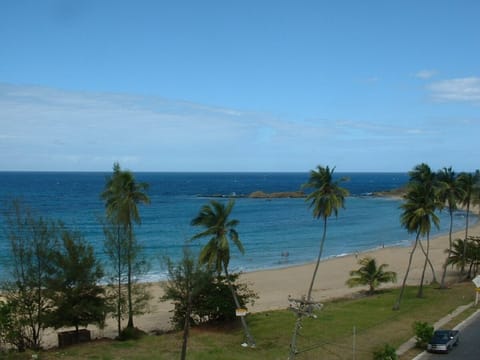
(330, 336)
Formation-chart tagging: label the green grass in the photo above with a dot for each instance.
(327, 337)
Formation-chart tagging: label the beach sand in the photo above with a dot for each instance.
(275, 286)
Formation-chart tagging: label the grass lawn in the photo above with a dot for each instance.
(330, 336)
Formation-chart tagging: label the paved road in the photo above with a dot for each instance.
(468, 349)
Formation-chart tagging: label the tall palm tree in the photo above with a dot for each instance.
(370, 274)
(470, 184)
(423, 175)
(449, 194)
(325, 199)
(122, 194)
(417, 217)
(220, 230)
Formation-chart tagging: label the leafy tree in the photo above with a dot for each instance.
(325, 199)
(12, 331)
(449, 193)
(74, 278)
(220, 230)
(122, 194)
(470, 185)
(370, 274)
(31, 242)
(185, 281)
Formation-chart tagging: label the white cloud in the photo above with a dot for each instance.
(456, 90)
(51, 129)
(425, 74)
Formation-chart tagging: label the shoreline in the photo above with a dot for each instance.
(274, 286)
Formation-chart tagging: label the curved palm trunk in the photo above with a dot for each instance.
(400, 296)
(248, 335)
(427, 257)
(322, 243)
(422, 278)
(442, 283)
(465, 241)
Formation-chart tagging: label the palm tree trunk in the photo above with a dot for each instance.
(248, 335)
(427, 261)
(400, 296)
(129, 278)
(465, 241)
(442, 283)
(322, 243)
(119, 274)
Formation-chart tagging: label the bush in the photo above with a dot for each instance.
(387, 353)
(212, 302)
(423, 333)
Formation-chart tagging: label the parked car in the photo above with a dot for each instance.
(443, 341)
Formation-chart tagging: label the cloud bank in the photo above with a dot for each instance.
(50, 129)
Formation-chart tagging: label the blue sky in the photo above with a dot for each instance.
(239, 85)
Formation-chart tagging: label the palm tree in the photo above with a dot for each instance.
(470, 184)
(214, 218)
(122, 194)
(370, 274)
(327, 197)
(449, 194)
(423, 176)
(417, 217)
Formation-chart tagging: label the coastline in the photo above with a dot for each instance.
(274, 286)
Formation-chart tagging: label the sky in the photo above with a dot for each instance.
(251, 85)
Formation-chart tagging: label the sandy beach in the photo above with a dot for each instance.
(275, 286)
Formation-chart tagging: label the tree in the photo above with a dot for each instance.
(325, 199)
(122, 194)
(220, 230)
(470, 185)
(186, 280)
(417, 217)
(370, 274)
(449, 193)
(471, 257)
(74, 284)
(31, 242)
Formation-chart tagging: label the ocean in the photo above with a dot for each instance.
(268, 228)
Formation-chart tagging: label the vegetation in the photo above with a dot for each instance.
(325, 199)
(423, 333)
(370, 274)
(417, 216)
(26, 293)
(328, 337)
(450, 194)
(200, 297)
(472, 255)
(388, 352)
(122, 194)
(470, 185)
(54, 280)
(219, 228)
(74, 284)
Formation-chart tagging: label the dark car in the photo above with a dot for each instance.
(443, 341)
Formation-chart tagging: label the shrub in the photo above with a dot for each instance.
(387, 353)
(423, 333)
(212, 302)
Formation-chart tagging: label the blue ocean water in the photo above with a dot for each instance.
(267, 228)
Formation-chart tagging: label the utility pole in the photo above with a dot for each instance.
(302, 308)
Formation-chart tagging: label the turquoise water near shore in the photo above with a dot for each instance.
(269, 228)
